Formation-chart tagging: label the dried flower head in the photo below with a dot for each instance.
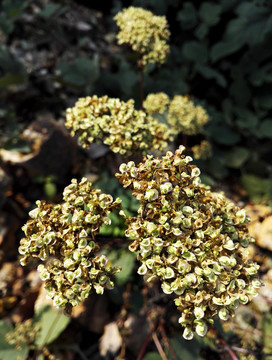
(63, 236)
(156, 103)
(117, 124)
(192, 239)
(203, 150)
(24, 333)
(146, 33)
(185, 117)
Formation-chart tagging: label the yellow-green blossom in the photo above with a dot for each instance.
(117, 124)
(185, 117)
(145, 33)
(203, 150)
(190, 238)
(62, 236)
(24, 333)
(156, 103)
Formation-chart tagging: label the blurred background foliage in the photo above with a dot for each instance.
(52, 52)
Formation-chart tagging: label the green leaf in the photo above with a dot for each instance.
(14, 8)
(246, 119)
(50, 190)
(12, 79)
(7, 351)
(256, 187)
(152, 356)
(186, 350)
(237, 156)
(267, 333)
(210, 13)
(126, 261)
(195, 51)
(240, 91)
(52, 323)
(49, 10)
(222, 134)
(201, 31)
(6, 25)
(263, 97)
(209, 73)
(83, 72)
(216, 167)
(207, 180)
(187, 16)
(265, 129)
(222, 49)
(264, 74)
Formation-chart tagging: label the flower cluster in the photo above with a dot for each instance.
(117, 124)
(203, 150)
(192, 239)
(146, 33)
(185, 117)
(181, 113)
(156, 103)
(24, 333)
(63, 236)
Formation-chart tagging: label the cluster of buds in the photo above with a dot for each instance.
(63, 236)
(146, 33)
(24, 334)
(185, 117)
(181, 113)
(190, 238)
(117, 124)
(156, 103)
(203, 150)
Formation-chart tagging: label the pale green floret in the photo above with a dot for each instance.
(252, 270)
(69, 294)
(195, 172)
(224, 260)
(99, 289)
(45, 275)
(241, 283)
(169, 273)
(136, 185)
(199, 313)
(186, 223)
(201, 328)
(83, 242)
(229, 245)
(166, 288)
(166, 188)
(34, 213)
(190, 279)
(69, 276)
(188, 334)
(243, 299)
(59, 301)
(241, 216)
(223, 314)
(177, 231)
(151, 195)
(256, 283)
(77, 273)
(151, 227)
(187, 210)
(142, 270)
(68, 263)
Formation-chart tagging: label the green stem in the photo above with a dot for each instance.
(141, 86)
